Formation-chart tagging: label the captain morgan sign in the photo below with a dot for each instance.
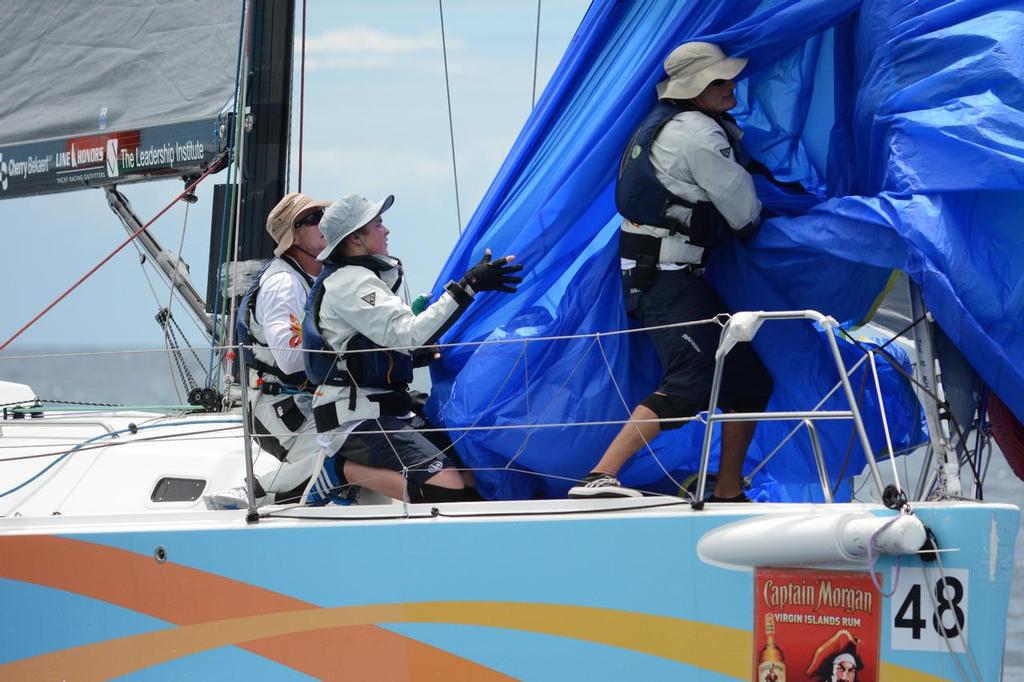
(814, 625)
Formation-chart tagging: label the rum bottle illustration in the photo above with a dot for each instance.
(771, 666)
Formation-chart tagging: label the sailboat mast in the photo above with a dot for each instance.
(266, 122)
(265, 159)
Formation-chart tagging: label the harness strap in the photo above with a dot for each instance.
(326, 417)
(632, 244)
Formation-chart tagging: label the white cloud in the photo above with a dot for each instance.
(362, 47)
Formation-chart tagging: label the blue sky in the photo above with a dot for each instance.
(376, 123)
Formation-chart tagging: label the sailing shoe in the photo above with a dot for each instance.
(231, 498)
(597, 484)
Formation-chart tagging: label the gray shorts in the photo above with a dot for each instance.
(402, 449)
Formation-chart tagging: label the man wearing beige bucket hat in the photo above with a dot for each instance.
(682, 189)
(270, 329)
(363, 408)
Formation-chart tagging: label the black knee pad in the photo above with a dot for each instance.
(424, 492)
(755, 395)
(668, 406)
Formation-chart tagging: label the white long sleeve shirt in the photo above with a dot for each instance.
(694, 159)
(279, 310)
(358, 301)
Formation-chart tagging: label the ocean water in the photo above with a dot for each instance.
(148, 378)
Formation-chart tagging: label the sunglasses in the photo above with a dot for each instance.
(718, 82)
(311, 219)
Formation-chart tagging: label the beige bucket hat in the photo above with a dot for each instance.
(347, 215)
(290, 210)
(692, 66)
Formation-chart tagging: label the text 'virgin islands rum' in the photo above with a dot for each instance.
(771, 666)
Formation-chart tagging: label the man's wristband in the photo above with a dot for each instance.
(460, 291)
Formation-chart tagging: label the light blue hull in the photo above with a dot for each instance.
(534, 591)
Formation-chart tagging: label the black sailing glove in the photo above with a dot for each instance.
(488, 275)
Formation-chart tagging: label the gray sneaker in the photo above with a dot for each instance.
(597, 485)
(231, 498)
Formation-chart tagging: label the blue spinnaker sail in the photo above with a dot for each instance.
(903, 119)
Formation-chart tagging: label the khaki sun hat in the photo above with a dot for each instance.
(290, 210)
(692, 66)
(344, 217)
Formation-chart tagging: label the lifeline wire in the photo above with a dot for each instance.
(112, 434)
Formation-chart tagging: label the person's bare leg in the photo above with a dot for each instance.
(447, 478)
(392, 483)
(633, 436)
(383, 481)
(736, 438)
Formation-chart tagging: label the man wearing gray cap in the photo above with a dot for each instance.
(682, 189)
(362, 406)
(269, 327)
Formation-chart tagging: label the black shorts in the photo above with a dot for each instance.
(406, 449)
(687, 354)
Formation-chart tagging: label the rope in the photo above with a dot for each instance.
(451, 125)
(213, 168)
(945, 412)
(229, 198)
(536, 52)
(959, 631)
(302, 91)
(634, 422)
(132, 428)
(143, 260)
(871, 558)
(65, 402)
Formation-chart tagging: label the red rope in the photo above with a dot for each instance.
(215, 166)
(302, 90)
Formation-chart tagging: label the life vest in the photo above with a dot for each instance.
(250, 334)
(370, 368)
(642, 199)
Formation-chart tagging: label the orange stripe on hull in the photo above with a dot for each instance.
(187, 596)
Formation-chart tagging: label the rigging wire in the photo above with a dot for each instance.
(143, 261)
(171, 325)
(536, 52)
(302, 91)
(240, 168)
(214, 166)
(219, 302)
(168, 340)
(451, 124)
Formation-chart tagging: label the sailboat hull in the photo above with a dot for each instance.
(553, 590)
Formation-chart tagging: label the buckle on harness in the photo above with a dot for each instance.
(268, 388)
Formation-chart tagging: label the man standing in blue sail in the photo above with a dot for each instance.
(362, 406)
(682, 188)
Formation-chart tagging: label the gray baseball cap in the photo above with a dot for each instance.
(347, 215)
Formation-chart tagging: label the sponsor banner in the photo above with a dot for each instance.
(814, 625)
(108, 158)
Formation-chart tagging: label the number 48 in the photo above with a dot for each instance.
(948, 593)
